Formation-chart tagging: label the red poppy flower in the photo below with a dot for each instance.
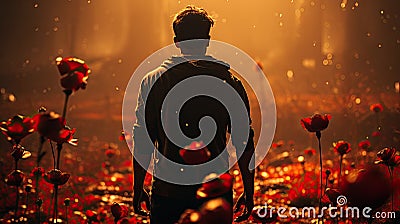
(342, 147)
(38, 171)
(377, 107)
(388, 157)
(66, 135)
(56, 177)
(19, 152)
(370, 187)
(71, 64)
(15, 178)
(110, 153)
(315, 123)
(91, 216)
(310, 151)
(74, 81)
(214, 187)
(74, 73)
(119, 211)
(216, 211)
(332, 194)
(52, 126)
(17, 127)
(190, 216)
(376, 134)
(364, 145)
(278, 144)
(48, 124)
(195, 153)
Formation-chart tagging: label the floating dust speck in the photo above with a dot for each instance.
(12, 98)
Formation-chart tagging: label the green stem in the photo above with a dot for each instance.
(66, 214)
(52, 152)
(391, 170)
(27, 203)
(16, 164)
(67, 94)
(38, 213)
(55, 203)
(59, 148)
(16, 204)
(340, 170)
(42, 140)
(318, 134)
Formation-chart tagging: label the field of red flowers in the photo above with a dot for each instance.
(45, 176)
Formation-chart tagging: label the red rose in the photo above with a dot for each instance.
(195, 154)
(315, 123)
(342, 147)
(377, 107)
(17, 127)
(74, 73)
(15, 178)
(56, 177)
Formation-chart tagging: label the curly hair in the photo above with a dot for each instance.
(192, 23)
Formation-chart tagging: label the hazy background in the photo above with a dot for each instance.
(324, 56)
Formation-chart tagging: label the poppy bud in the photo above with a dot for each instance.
(15, 178)
(67, 201)
(56, 177)
(328, 172)
(28, 188)
(116, 210)
(39, 202)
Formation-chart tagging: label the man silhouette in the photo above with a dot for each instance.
(170, 200)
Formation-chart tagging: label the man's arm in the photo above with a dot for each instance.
(142, 153)
(244, 162)
(246, 198)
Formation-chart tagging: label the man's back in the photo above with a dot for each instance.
(159, 119)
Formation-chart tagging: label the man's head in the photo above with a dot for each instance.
(192, 23)
(189, 24)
